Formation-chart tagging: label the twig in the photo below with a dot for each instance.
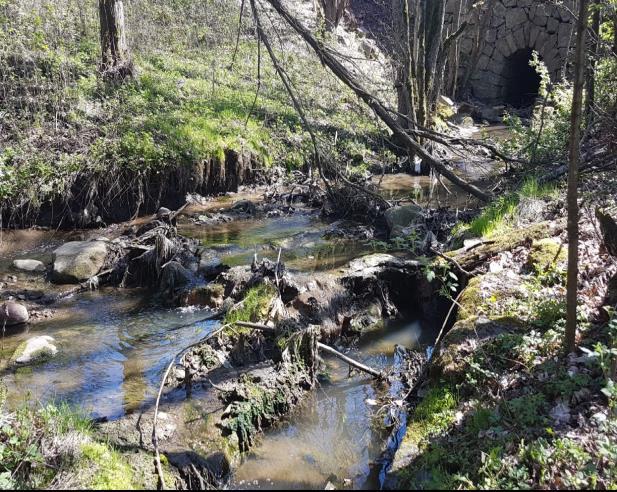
(454, 262)
(445, 321)
(155, 440)
(326, 348)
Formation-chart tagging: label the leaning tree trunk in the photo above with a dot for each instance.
(590, 80)
(332, 11)
(573, 209)
(116, 62)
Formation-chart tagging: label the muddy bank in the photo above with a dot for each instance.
(105, 198)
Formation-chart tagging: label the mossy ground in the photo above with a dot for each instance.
(55, 445)
(252, 308)
(505, 407)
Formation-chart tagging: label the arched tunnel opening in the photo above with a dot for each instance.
(522, 80)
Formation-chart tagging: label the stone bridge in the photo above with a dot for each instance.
(497, 47)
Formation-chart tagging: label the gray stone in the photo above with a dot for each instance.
(564, 35)
(552, 25)
(515, 17)
(34, 350)
(163, 213)
(245, 207)
(77, 261)
(13, 313)
(29, 265)
(403, 216)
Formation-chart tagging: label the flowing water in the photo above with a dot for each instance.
(336, 435)
(114, 344)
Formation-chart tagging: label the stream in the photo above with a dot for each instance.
(115, 343)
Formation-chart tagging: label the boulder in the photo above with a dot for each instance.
(174, 277)
(163, 213)
(34, 350)
(77, 261)
(402, 217)
(464, 121)
(244, 207)
(29, 265)
(211, 295)
(12, 313)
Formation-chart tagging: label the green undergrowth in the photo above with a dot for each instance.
(505, 408)
(41, 445)
(501, 214)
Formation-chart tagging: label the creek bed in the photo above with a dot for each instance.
(115, 343)
(334, 435)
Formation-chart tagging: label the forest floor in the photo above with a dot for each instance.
(504, 407)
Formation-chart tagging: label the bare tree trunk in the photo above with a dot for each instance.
(453, 55)
(615, 34)
(590, 81)
(573, 209)
(116, 63)
(332, 11)
(382, 112)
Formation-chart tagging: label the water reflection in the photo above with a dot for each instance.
(332, 437)
(112, 351)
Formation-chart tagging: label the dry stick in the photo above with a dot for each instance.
(369, 370)
(377, 106)
(445, 322)
(454, 262)
(326, 348)
(155, 439)
(83, 286)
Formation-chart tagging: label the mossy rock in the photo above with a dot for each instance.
(545, 255)
(470, 299)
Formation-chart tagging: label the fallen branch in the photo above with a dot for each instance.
(369, 370)
(326, 348)
(456, 264)
(155, 439)
(89, 284)
(377, 106)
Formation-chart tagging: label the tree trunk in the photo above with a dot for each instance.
(332, 11)
(115, 57)
(573, 209)
(453, 55)
(590, 81)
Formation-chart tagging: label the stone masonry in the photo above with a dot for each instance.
(513, 26)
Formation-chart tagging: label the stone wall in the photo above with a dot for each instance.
(511, 27)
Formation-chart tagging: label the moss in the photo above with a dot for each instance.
(112, 472)
(471, 299)
(545, 255)
(433, 415)
(253, 307)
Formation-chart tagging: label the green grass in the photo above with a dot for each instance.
(36, 436)
(253, 306)
(498, 215)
